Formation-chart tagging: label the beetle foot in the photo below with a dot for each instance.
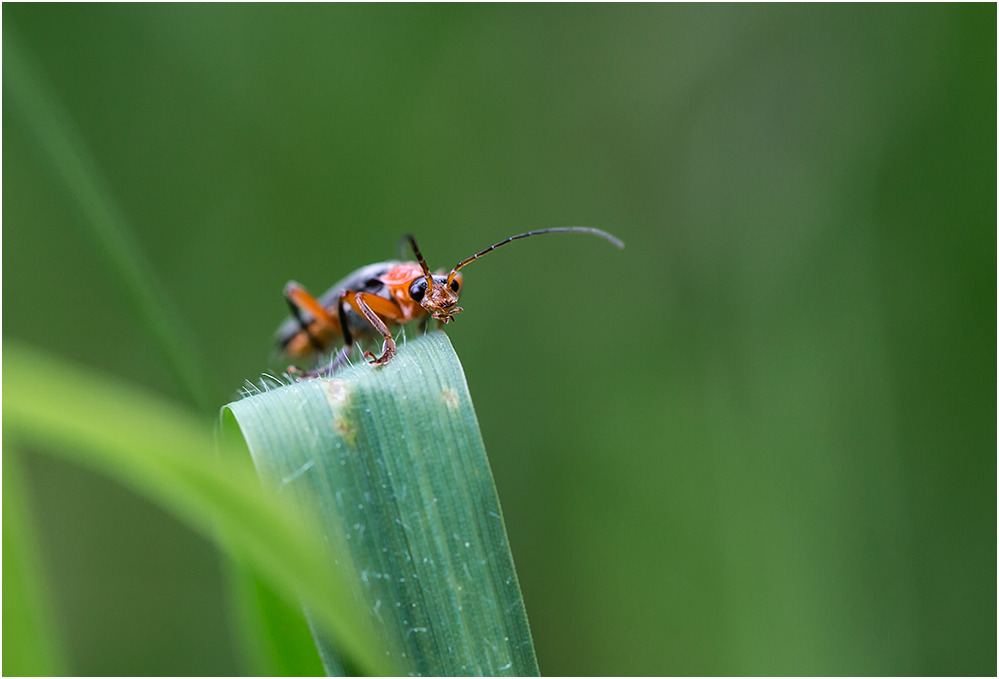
(388, 352)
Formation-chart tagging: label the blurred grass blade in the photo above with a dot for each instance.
(279, 643)
(392, 464)
(30, 647)
(67, 153)
(64, 148)
(167, 456)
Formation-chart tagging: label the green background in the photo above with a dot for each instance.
(759, 440)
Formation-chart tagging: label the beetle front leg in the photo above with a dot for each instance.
(361, 301)
(388, 346)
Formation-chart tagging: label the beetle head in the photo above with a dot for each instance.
(437, 295)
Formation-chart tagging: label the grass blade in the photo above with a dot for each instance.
(278, 642)
(391, 463)
(30, 647)
(271, 648)
(167, 456)
(65, 150)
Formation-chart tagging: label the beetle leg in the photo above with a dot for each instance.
(363, 301)
(300, 300)
(340, 359)
(388, 346)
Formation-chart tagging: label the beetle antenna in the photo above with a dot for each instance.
(419, 258)
(562, 229)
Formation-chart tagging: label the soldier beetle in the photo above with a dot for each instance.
(377, 296)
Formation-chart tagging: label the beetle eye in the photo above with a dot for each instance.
(455, 285)
(418, 289)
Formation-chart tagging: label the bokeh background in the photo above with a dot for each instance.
(759, 440)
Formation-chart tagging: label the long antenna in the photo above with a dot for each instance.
(419, 258)
(561, 229)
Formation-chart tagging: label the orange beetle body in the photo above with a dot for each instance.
(389, 280)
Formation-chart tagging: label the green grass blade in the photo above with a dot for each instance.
(167, 456)
(392, 464)
(271, 632)
(68, 155)
(278, 641)
(29, 639)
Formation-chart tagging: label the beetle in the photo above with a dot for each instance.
(369, 300)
